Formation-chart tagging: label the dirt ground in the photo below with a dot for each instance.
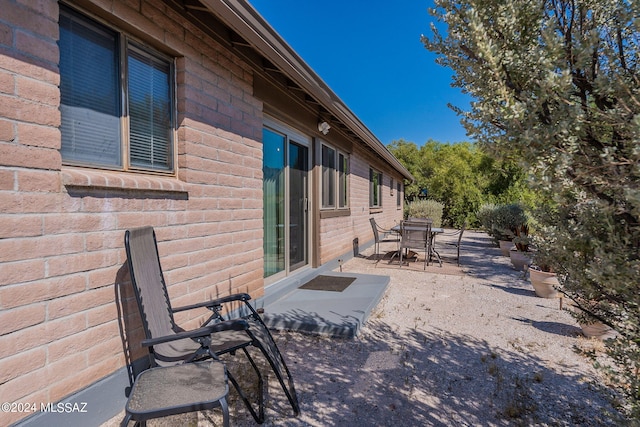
(469, 346)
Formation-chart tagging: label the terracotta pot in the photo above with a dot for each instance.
(505, 246)
(520, 260)
(597, 330)
(545, 284)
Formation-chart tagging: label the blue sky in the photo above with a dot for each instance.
(370, 54)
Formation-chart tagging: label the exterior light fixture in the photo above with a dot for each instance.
(324, 127)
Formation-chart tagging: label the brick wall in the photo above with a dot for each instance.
(337, 234)
(63, 277)
(66, 306)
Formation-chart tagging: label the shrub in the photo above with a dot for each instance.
(485, 216)
(504, 222)
(425, 209)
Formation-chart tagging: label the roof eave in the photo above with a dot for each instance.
(245, 20)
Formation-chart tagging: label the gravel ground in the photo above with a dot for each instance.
(474, 347)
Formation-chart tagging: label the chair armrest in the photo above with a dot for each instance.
(214, 302)
(228, 325)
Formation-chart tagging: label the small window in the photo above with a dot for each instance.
(375, 182)
(328, 177)
(335, 182)
(116, 99)
(343, 180)
(398, 194)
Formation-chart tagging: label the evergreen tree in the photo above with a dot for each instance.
(555, 85)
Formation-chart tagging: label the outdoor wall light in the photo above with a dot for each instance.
(324, 127)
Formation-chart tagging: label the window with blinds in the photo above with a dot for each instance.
(97, 97)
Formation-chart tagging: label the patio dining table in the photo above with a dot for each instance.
(434, 232)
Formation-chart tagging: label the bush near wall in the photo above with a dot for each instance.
(425, 209)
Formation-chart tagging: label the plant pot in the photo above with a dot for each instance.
(520, 260)
(597, 330)
(545, 284)
(505, 246)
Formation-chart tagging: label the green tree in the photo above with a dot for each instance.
(409, 155)
(454, 180)
(556, 86)
(462, 177)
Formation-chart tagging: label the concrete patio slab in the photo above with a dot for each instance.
(336, 314)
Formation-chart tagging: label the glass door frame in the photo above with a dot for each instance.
(293, 136)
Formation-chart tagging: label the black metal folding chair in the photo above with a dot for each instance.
(455, 242)
(169, 344)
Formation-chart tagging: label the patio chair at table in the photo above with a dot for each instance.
(415, 235)
(455, 242)
(377, 230)
(170, 345)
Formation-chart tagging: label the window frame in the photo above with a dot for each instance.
(333, 175)
(126, 46)
(375, 188)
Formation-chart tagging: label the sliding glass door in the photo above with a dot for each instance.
(298, 205)
(286, 201)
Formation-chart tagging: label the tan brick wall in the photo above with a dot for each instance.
(337, 234)
(65, 294)
(62, 229)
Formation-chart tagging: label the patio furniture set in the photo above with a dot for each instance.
(417, 234)
(186, 374)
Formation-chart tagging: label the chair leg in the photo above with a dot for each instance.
(259, 416)
(263, 340)
(225, 412)
(125, 421)
(293, 400)
(438, 257)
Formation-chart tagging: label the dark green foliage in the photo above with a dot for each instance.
(462, 177)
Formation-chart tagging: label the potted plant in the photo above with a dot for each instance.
(590, 324)
(520, 253)
(501, 221)
(519, 227)
(541, 273)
